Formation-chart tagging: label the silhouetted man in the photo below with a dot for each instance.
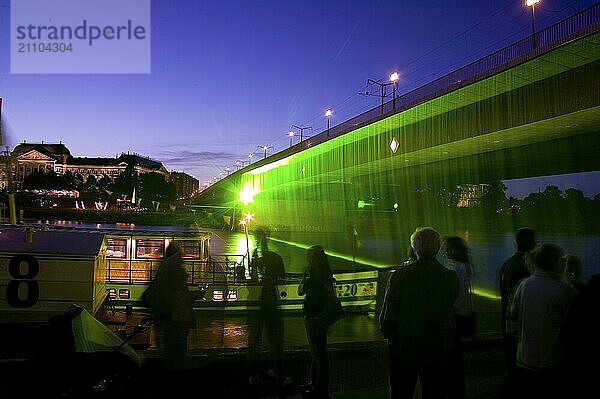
(512, 271)
(417, 320)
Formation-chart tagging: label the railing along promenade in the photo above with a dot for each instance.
(577, 26)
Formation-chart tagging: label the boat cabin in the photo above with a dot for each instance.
(42, 272)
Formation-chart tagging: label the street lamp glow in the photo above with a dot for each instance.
(532, 2)
(394, 77)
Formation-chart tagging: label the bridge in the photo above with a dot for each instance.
(436, 155)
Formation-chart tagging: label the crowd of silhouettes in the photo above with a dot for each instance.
(549, 317)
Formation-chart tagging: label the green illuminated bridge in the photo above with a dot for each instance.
(440, 157)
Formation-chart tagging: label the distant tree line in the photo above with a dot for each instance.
(148, 186)
(551, 211)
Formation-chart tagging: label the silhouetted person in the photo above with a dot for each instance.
(317, 286)
(458, 253)
(536, 312)
(173, 308)
(417, 320)
(270, 270)
(512, 271)
(581, 335)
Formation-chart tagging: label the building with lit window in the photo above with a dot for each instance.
(45, 157)
(185, 185)
(471, 194)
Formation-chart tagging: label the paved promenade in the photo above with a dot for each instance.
(358, 356)
(218, 364)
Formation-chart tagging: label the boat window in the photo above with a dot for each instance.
(189, 249)
(116, 247)
(150, 249)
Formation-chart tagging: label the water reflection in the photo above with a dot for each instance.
(358, 251)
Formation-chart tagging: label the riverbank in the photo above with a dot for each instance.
(178, 218)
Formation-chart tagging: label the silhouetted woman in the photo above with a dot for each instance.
(174, 301)
(459, 254)
(317, 285)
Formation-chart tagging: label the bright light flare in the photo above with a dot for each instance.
(394, 77)
(247, 193)
(532, 2)
(328, 113)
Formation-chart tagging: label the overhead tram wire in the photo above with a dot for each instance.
(405, 73)
(561, 10)
(339, 108)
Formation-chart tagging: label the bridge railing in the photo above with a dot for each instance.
(579, 25)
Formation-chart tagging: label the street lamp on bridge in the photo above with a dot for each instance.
(532, 3)
(394, 76)
(291, 136)
(328, 114)
(265, 148)
(302, 129)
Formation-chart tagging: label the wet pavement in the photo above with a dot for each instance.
(358, 356)
(218, 362)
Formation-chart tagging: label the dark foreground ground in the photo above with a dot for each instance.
(358, 371)
(219, 366)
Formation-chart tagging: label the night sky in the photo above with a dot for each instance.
(228, 76)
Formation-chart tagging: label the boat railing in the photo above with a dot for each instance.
(216, 269)
(143, 271)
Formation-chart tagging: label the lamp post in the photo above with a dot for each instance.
(393, 81)
(244, 222)
(302, 129)
(265, 148)
(328, 114)
(291, 136)
(532, 3)
(249, 158)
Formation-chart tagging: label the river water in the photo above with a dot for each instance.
(488, 251)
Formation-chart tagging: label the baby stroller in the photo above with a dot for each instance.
(76, 356)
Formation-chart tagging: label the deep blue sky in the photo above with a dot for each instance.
(228, 76)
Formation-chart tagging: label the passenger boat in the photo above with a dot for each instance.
(219, 281)
(45, 269)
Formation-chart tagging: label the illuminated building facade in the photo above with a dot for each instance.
(56, 157)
